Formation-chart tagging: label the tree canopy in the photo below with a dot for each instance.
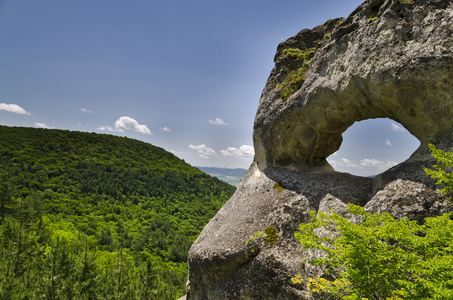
(95, 216)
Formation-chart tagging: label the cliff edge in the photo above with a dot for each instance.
(389, 58)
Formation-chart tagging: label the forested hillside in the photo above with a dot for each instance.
(93, 216)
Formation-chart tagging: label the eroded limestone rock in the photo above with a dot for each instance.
(229, 263)
(387, 59)
(398, 66)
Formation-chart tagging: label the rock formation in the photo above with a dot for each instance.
(389, 58)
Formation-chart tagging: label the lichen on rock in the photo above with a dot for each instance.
(389, 58)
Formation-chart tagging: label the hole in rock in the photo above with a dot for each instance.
(373, 146)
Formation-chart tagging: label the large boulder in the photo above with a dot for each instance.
(389, 58)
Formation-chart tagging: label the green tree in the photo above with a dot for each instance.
(6, 196)
(443, 170)
(88, 274)
(22, 236)
(380, 257)
(375, 256)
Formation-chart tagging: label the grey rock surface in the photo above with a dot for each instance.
(387, 59)
(398, 66)
(408, 199)
(230, 264)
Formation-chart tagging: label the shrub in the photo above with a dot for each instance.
(379, 257)
(443, 172)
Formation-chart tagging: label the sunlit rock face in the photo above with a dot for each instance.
(388, 59)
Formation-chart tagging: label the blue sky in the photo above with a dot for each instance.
(182, 75)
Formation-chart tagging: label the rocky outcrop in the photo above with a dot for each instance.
(228, 263)
(389, 58)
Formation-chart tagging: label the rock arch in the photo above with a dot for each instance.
(372, 72)
(307, 134)
(389, 58)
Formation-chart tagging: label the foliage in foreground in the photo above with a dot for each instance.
(443, 172)
(375, 256)
(46, 257)
(379, 257)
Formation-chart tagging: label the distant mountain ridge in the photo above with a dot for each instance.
(231, 176)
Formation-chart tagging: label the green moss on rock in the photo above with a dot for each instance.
(279, 187)
(271, 235)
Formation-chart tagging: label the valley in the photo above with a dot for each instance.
(88, 216)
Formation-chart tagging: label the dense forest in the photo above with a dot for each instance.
(95, 216)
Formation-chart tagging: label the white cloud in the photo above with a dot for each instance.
(103, 128)
(127, 123)
(166, 129)
(370, 162)
(203, 150)
(334, 163)
(365, 166)
(86, 110)
(397, 128)
(387, 142)
(376, 163)
(14, 108)
(218, 121)
(42, 125)
(243, 151)
(380, 165)
(350, 164)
